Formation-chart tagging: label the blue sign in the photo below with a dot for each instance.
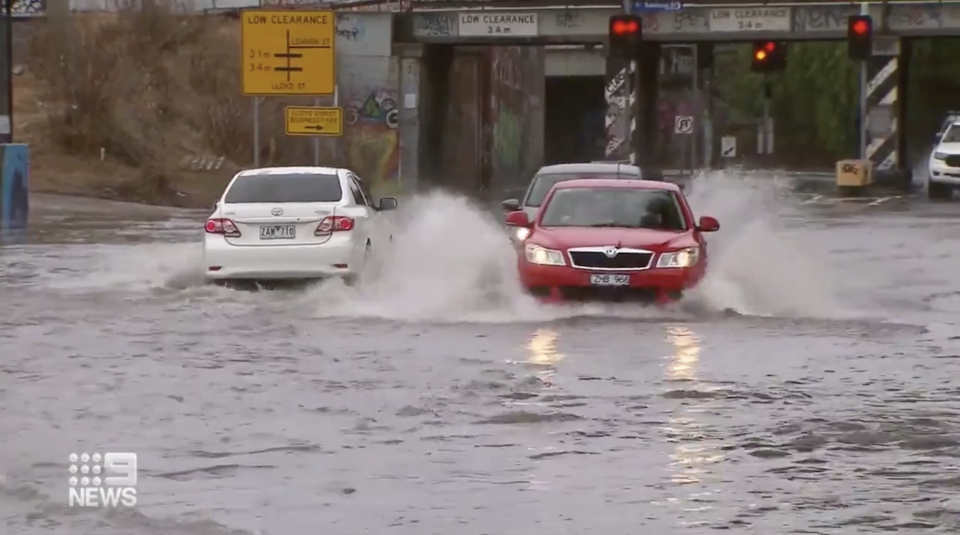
(640, 6)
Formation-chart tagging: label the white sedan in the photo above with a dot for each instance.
(283, 223)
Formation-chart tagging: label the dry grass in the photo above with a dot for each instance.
(144, 87)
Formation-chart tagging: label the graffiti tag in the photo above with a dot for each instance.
(569, 19)
(434, 24)
(350, 28)
(821, 18)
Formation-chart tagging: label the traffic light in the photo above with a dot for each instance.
(859, 37)
(626, 35)
(768, 56)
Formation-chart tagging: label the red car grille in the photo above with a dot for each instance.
(591, 259)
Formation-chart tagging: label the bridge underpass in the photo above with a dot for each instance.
(489, 108)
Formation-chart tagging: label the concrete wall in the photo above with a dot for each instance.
(369, 93)
(14, 186)
(515, 115)
(575, 62)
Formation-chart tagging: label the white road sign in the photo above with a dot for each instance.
(750, 19)
(683, 124)
(728, 147)
(498, 25)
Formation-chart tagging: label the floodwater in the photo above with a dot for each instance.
(810, 385)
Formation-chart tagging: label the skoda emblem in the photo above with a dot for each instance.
(277, 211)
(610, 252)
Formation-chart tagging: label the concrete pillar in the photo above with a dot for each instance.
(409, 114)
(883, 91)
(903, 157)
(646, 87)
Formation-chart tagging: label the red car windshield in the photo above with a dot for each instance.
(614, 207)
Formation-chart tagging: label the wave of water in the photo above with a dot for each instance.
(450, 261)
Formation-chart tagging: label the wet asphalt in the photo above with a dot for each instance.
(811, 388)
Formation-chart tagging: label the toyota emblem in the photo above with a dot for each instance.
(610, 252)
(277, 211)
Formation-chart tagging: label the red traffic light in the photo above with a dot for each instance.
(860, 25)
(763, 50)
(624, 27)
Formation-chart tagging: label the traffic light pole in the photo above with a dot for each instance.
(864, 10)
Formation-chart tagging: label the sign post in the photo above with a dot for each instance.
(286, 53)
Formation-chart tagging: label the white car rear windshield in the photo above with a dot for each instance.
(542, 183)
(294, 187)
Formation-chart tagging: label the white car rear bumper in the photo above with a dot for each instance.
(335, 258)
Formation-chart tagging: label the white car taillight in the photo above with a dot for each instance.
(333, 224)
(226, 227)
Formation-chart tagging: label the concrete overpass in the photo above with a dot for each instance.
(705, 22)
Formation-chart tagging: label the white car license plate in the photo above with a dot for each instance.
(604, 279)
(278, 232)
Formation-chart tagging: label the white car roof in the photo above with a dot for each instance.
(292, 169)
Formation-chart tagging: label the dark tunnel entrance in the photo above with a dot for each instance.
(574, 119)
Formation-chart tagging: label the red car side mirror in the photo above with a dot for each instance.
(708, 224)
(518, 219)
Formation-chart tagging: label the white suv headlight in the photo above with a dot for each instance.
(939, 156)
(679, 259)
(543, 256)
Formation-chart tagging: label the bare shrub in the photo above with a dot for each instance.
(150, 84)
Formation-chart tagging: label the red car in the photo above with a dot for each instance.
(612, 240)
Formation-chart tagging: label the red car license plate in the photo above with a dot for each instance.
(609, 279)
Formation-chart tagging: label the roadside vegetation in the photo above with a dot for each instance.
(815, 100)
(127, 100)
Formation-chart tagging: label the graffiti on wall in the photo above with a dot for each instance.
(617, 116)
(509, 101)
(373, 142)
(14, 186)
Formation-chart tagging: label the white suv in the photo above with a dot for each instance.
(293, 223)
(944, 166)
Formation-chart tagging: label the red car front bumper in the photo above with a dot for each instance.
(561, 283)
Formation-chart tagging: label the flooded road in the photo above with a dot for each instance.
(809, 387)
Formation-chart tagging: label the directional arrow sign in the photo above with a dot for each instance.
(313, 121)
(728, 147)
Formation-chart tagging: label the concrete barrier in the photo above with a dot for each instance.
(14, 186)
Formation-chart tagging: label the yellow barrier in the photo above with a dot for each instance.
(854, 173)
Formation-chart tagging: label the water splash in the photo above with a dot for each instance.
(758, 265)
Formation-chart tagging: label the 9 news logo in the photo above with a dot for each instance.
(107, 480)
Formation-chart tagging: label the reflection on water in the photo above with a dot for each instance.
(693, 452)
(682, 365)
(544, 357)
